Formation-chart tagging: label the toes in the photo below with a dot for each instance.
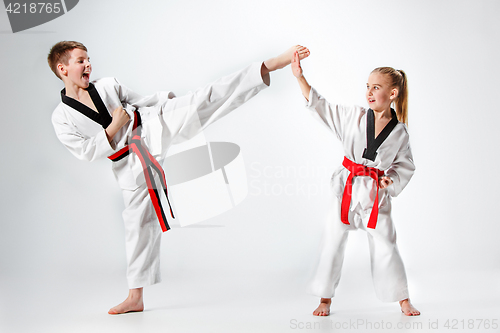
(319, 312)
(411, 313)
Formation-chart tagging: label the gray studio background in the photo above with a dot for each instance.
(61, 229)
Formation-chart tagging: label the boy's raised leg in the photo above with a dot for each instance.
(133, 303)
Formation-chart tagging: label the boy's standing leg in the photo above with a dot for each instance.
(142, 244)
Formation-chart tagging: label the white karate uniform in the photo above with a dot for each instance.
(395, 158)
(166, 119)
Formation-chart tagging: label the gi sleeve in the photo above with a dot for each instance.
(138, 101)
(401, 170)
(83, 147)
(186, 116)
(332, 115)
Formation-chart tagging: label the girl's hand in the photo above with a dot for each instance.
(296, 69)
(384, 182)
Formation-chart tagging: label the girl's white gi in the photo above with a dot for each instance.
(166, 119)
(395, 158)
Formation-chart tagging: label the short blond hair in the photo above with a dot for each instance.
(60, 54)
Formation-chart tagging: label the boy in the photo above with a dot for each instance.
(136, 135)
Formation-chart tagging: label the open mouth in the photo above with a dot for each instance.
(86, 76)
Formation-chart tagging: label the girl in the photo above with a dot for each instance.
(377, 166)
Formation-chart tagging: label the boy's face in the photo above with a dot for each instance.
(78, 69)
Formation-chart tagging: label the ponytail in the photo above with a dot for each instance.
(402, 99)
(399, 81)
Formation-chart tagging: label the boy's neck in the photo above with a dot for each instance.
(74, 91)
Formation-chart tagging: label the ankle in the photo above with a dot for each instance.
(135, 294)
(271, 64)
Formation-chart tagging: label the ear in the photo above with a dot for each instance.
(62, 69)
(394, 94)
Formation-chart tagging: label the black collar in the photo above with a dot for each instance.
(372, 143)
(102, 116)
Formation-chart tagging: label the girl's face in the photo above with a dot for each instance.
(379, 93)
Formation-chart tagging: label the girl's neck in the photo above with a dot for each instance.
(383, 114)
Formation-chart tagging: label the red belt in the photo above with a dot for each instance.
(359, 170)
(148, 164)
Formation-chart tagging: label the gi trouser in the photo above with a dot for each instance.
(142, 238)
(388, 272)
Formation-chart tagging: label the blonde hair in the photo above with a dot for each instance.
(400, 81)
(60, 54)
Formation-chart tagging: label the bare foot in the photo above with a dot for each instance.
(408, 309)
(133, 303)
(324, 307)
(286, 57)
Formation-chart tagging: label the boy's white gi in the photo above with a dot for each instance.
(395, 158)
(166, 119)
